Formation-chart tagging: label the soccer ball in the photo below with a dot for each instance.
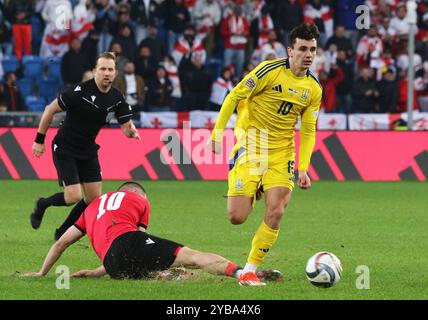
(324, 269)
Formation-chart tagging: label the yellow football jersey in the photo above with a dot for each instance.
(274, 99)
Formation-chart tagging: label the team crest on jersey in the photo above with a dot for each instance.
(250, 83)
(239, 185)
(305, 94)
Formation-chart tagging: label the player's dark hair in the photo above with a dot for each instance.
(130, 185)
(303, 31)
(107, 55)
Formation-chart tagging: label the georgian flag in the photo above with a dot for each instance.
(207, 119)
(368, 121)
(331, 121)
(159, 119)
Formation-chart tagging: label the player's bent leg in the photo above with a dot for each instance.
(210, 262)
(239, 208)
(277, 199)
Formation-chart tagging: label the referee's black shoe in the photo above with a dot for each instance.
(37, 214)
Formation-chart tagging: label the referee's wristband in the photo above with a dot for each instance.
(40, 138)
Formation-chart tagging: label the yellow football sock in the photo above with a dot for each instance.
(263, 240)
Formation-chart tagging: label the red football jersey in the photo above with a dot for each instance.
(111, 215)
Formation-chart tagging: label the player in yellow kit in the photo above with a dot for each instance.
(269, 100)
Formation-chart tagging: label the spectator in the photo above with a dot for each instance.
(260, 53)
(329, 82)
(369, 48)
(10, 96)
(56, 36)
(289, 15)
(73, 64)
(399, 23)
(341, 41)
(197, 83)
(261, 27)
(177, 17)
(123, 18)
(321, 14)
(344, 89)
(207, 15)
(157, 47)
(423, 94)
(388, 91)
(1, 65)
(83, 17)
(385, 31)
(143, 13)
(235, 31)
(159, 90)
(104, 24)
(19, 14)
(127, 42)
(365, 92)
(5, 40)
(172, 72)
(188, 45)
(321, 62)
(220, 88)
(146, 65)
(121, 60)
(87, 75)
(131, 86)
(90, 48)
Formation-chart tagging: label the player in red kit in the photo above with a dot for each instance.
(116, 224)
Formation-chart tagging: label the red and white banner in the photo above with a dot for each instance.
(207, 119)
(332, 121)
(369, 121)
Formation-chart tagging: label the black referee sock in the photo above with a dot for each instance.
(71, 219)
(56, 200)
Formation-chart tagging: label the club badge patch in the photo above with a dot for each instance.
(250, 83)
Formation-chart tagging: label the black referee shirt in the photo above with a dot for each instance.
(87, 109)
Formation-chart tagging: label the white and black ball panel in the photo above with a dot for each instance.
(323, 269)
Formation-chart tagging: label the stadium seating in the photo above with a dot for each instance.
(10, 63)
(48, 88)
(33, 67)
(35, 104)
(53, 67)
(25, 85)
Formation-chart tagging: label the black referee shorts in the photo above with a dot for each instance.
(72, 170)
(135, 254)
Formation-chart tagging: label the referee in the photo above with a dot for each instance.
(75, 153)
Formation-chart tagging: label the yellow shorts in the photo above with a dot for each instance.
(245, 173)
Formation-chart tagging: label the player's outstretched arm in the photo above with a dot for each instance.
(129, 130)
(45, 121)
(95, 273)
(68, 238)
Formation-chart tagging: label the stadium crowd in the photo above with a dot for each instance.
(182, 55)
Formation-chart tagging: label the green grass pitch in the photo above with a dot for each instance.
(379, 225)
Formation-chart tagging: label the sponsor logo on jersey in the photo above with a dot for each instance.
(250, 83)
(78, 88)
(93, 98)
